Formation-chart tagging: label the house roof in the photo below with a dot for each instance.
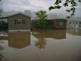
(29, 14)
(7, 14)
(19, 14)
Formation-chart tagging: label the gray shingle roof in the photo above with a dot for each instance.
(6, 14)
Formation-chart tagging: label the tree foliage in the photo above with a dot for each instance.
(67, 3)
(42, 19)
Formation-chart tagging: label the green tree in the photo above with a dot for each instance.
(67, 3)
(42, 19)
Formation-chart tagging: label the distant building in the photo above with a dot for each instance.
(58, 23)
(54, 23)
(74, 26)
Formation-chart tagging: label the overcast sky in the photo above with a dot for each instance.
(34, 5)
(26, 4)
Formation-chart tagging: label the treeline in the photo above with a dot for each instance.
(3, 26)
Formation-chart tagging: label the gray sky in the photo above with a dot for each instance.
(35, 5)
(26, 4)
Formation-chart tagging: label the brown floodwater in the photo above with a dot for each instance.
(41, 45)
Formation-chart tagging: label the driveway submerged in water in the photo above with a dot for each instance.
(49, 45)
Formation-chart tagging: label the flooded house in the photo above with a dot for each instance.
(17, 21)
(57, 23)
(53, 23)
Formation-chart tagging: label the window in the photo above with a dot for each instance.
(15, 22)
(76, 22)
(23, 21)
(61, 23)
(19, 21)
(80, 22)
(69, 22)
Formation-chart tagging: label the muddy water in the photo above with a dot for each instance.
(46, 45)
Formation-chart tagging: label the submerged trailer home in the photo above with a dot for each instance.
(17, 21)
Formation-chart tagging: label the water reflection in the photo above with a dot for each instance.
(41, 35)
(56, 34)
(19, 39)
(41, 43)
(1, 57)
(74, 31)
(54, 45)
(1, 49)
